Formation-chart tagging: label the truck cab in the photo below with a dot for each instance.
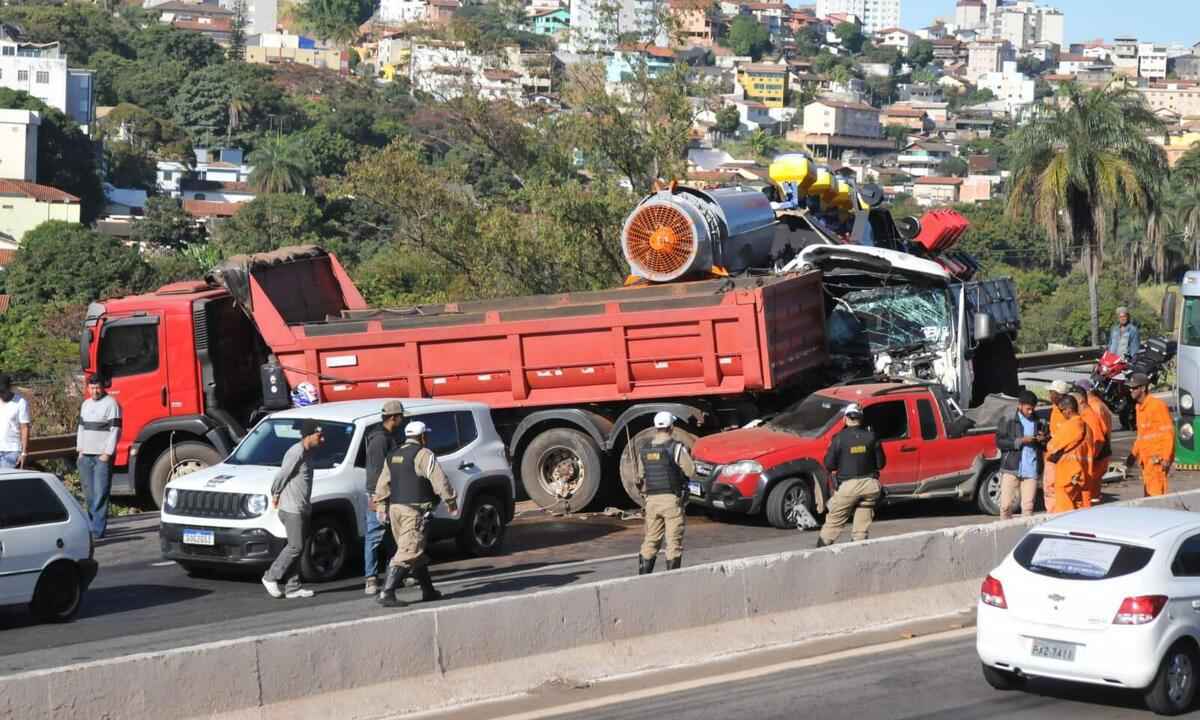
(183, 363)
(1187, 391)
(932, 451)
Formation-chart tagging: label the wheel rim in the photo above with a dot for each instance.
(792, 500)
(486, 526)
(326, 551)
(561, 472)
(62, 597)
(1179, 678)
(993, 489)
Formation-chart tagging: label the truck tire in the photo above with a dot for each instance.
(58, 594)
(629, 460)
(561, 469)
(784, 497)
(482, 533)
(328, 549)
(987, 493)
(190, 456)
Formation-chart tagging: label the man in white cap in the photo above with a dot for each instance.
(664, 465)
(1057, 390)
(406, 493)
(853, 460)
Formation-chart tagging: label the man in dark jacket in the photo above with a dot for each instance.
(854, 459)
(381, 442)
(1022, 443)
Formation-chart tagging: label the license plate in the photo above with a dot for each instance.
(198, 537)
(694, 489)
(1053, 650)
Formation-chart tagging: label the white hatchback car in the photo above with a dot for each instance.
(46, 548)
(1109, 596)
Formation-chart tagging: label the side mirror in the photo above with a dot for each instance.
(983, 327)
(1169, 302)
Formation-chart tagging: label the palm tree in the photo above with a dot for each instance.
(280, 165)
(762, 143)
(239, 103)
(1077, 162)
(1187, 202)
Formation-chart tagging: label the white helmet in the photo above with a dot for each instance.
(853, 410)
(663, 420)
(414, 429)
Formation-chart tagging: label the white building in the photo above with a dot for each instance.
(1010, 86)
(596, 25)
(41, 70)
(895, 37)
(401, 12)
(1024, 24)
(876, 14)
(18, 151)
(216, 165)
(261, 16)
(1152, 61)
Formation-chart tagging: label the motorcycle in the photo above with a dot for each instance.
(1111, 376)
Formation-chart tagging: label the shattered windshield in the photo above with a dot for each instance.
(870, 320)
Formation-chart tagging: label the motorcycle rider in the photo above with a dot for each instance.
(1123, 338)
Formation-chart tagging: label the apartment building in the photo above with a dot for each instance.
(41, 70)
(876, 15)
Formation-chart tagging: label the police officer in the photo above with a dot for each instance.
(664, 464)
(407, 492)
(854, 460)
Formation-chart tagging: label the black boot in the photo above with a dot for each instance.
(645, 567)
(428, 593)
(674, 564)
(387, 596)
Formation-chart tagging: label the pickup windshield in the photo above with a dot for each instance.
(266, 444)
(872, 320)
(809, 417)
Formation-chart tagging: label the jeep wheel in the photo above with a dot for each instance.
(483, 527)
(327, 551)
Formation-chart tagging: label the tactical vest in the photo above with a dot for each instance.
(856, 454)
(408, 486)
(662, 475)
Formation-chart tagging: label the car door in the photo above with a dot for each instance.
(33, 523)
(942, 460)
(130, 356)
(451, 438)
(891, 422)
(1185, 591)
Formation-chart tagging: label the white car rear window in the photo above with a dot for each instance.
(1076, 557)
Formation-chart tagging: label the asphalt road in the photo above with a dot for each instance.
(141, 603)
(937, 679)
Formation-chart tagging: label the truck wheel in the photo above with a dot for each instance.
(785, 498)
(58, 594)
(987, 493)
(327, 551)
(561, 469)
(189, 457)
(483, 528)
(629, 460)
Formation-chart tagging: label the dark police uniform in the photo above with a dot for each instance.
(665, 464)
(855, 459)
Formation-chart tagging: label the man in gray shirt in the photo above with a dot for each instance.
(96, 442)
(292, 494)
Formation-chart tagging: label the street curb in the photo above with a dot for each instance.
(443, 656)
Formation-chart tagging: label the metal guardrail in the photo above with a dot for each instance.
(1053, 359)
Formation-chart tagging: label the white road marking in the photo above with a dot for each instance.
(162, 564)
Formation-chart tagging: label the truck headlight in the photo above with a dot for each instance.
(744, 467)
(171, 498)
(1185, 401)
(255, 505)
(1185, 431)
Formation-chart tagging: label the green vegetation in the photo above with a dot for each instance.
(747, 36)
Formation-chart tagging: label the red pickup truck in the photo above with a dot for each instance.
(933, 450)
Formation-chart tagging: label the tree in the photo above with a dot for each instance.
(328, 150)
(82, 30)
(159, 43)
(66, 158)
(269, 222)
(336, 21)
(237, 32)
(128, 123)
(920, 53)
(763, 144)
(166, 226)
(129, 166)
(64, 262)
(850, 36)
(728, 120)
(1187, 205)
(898, 133)
(747, 36)
(809, 40)
(953, 167)
(202, 104)
(281, 165)
(1077, 163)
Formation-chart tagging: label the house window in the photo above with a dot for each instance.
(199, 196)
(43, 77)
(10, 50)
(22, 76)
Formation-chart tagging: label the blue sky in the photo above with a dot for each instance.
(1163, 21)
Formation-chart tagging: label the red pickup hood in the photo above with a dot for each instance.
(747, 444)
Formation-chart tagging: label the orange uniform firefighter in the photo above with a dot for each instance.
(1106, 420)
(1070, 449)
(1058, 389)
(1096, 429)
(1154, 448)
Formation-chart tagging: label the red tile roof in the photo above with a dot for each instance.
(41, 193)
(911, 112)
(6, 258)
(210, 208)
(652, 50)
(889, 31)
(217, 25)
(5, 303)
(498, 75)
(215, 185)
(934, 180)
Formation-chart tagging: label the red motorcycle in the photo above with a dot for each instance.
(1112, 373)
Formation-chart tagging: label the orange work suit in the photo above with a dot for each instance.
(1155, 444)
(1097, 405)
(1072, 468)
(1048, 491)
(1096, 430)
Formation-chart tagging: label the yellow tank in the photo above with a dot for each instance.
(795, 168)
(822, 181)
(844, 198)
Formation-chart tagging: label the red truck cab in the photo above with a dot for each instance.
(932, 451)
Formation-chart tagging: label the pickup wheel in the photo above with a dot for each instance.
(58, 595)
(987, 494)
(561, 469)
(188, 457)
(784, 500)
(629, 459)
(483, 527)
(328, 549)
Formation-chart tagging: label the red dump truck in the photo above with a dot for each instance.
(571, 378)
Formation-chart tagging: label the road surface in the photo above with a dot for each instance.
(140, 603)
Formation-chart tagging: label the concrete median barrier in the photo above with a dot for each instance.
(424, 658)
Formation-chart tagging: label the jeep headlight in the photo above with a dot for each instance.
(1186, 402)
(255, 505)
(171, 498)
(1185, 431)
(744, 467)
